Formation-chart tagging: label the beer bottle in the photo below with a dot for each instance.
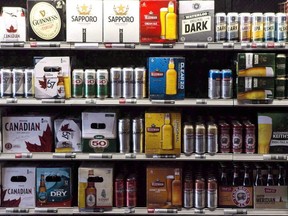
(270, 179)
(42, 194)
(224, 179)
(236, 177)
(90, 191)
(281, 176)
(247, 179)
(177, 189)
(259, 177)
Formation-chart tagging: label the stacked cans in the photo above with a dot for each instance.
(220, 84)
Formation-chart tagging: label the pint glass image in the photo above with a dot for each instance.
(264, 134)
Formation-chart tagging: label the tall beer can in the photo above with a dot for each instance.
(188, 139)
(29, 83)
(138, 135)
(17, 82)
(237, 137)
(281, 27)
(220, 27)
(200, 138)
(128, 80)
(214, 84)
(257, 27)
(139, 82)
(116, 82)
(124, 135)
(212, 138)
(245, 27)
(269, 27)
(226, 84)
(249, 137)
(102, 83)
(200, 193)
(232, 27)
(224, 137)
(212, 193)
(131, 191)
(188, 192)
(90, 83)
(78, 83)
(119, 192)
(6, 82)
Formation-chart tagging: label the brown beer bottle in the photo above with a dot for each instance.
(270, 178)
(247, 180)
(42, 194)
(177, 188)
(281, 176)
(90, 191)
(224, 179)
(236, 177)
(259, 177)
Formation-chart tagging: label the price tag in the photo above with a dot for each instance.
(23, 155)
(46, 210)
(201, 101)
(199, 211)
(11, 100)
(234, 211)
(53, 101)
(274, 157)
(258, 45)
(129, 210)
(228, 45)
(246, 45)
(130, 155)
(280, 45)
(90, 101)
(195, 45)
(64, 155)
(86, 45)
(164, 156)
(99, 155)
(159, 45)
(200, 156)
(17, 210)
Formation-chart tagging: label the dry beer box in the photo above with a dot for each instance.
(95, 187)
(121, 21)
(99, 132)
(158, 21)
(166, 78)
(13, 24)
(18, 187)
(27, 134)
(53, 187)
(196, 21)
(46, 20)
(84, 21)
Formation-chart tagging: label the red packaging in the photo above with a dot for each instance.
(237, 137)
(131, 194)
(119, 191)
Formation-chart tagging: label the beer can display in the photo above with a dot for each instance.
(237, 137)
(78, 83)
(29, 83)
(137, 135)
(257, 27)
(17, 82)
(102, 83)
(232, 27)
(220, 27)
(188, 139)
(90, 83)
(226, 84)
(244, 27)
(124, 135)
(269, 27)
(116, 82)
(214, 84)
(281, 27)
(6, 82)
(212, 138)
(200, 138)
(128, 80)
(140, 82)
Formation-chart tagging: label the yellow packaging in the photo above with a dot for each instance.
(163, 133)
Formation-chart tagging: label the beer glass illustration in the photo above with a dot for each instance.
(264, 134)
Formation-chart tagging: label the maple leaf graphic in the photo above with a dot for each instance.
(43, 83)
(66, 128)
(9, 203)
(46, 142)
(11, 29)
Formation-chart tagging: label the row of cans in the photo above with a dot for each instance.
(16, 82)
(222, 137)
(220, 84)
(124, 82)
(247, 27)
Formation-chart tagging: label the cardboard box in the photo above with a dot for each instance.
(95, 187)
(18, 187)
(57, 183)
(121, 21)
(162, 133)
(166, 78)
(84, 21)
(99, 132)
(252, 60)
(13, 24)
(27, 134)
(156, 25)
(196, 21)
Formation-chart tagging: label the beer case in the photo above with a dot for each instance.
(13, 24)
(18, 186)
(84, 21)
(58, 187)
(27, 134)
(159, 187)
(196, 20)
(121, 21)
(48, 71)
(67, 134)
(99, 132)
(159, 140)
(46, 20)
(153, 21)
(103, 182)
(164, 85)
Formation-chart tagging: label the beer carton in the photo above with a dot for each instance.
(99, 132)
(13, 24)
(164, 187)
(166, 78)
(158, 21)
(67, 135)
(18, 187)
(46, 20)
(272, 133)
(84, 21)
(27, 134)
(196, 21)
(53, 187)
(121, 21)
(95, 187)
(162, 133)
(52, 77)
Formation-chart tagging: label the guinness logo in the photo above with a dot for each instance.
(42, 12)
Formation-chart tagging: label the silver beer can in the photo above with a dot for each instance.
(200, 138)
(124, 135)
(29, 83)
(212, 138)
(6, 82)
(116, 82)
(212, 193)
(17, 82)
(188, 139)
(140, 82)
(200, 193)
(128, 80)
(232, 27)
(137, 135)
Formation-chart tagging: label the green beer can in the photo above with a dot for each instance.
(90, 83)
(102, 83)
(78, 83)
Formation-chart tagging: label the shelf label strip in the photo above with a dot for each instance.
(46, 210)
(234, 211)
(64, 155)
(17, 210)
(195, 45)
(274, 157)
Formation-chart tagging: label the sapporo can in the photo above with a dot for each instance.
(188, 138)
(232, 27)
(6, 82)
(140, 82)
(90, 83)
(78, 83)
(131, 191)
(29, 83)
(17, 82)
(200, 138)
(119, 185)
(200, 193)
(244, 27)
(212, 193)
(226, 84)
(280, 87)
(128, 80)
(212, 138)
(257, 27)
(269, 27)
(102, 83)
(214, 84)
(224, 137)
(237, 137)
(281, 27)
(115, 82)
(220, 27)
(249, 137)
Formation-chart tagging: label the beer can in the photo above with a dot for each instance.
(280, 87)
(139, 82)
(212, 138)
(232, 27)
(224, 137)
(200, 139)
(128, 80)
(244, 27)
(115, 82)
(120, 191)
(214, 84)
(138, 135)
(281, 27)
(131, 191)
(102, 83)
(257, 27)
(212, 193)
(237, 137)
(17, 82)
(188, 139)
(6, 82)
(124, 135)
(200, 193)
(29, 83)
(90, 83)
(269, 27)
(188, 201)
(220, 27)
(249, 137)
(77, 83)
(226, 84)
